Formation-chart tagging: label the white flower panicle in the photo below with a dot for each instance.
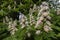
(12, 27)
(44, 6)
(32, 20)
(43, 12)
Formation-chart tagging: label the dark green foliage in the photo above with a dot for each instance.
(24, 6)
(3, 31)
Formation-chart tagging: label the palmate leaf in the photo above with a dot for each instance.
(20, 34)
(38, 37)
(58, 35)
(2, 12)
(3, 27)
(10, 38)
(55, 27)
(45, 36)
(4, 3)
(15, 10)
(3, 31)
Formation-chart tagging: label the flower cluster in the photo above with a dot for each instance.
(12, 27)
(24, 21)
(43, 13)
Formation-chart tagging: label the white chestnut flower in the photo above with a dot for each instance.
(31, 17)
(7, 19)
(28, 34)
(27, 23)
(37, 24)
(23, 26)
(34, 8)
(10, 23)
(45, 8)
(48, 23)
(9, 27)
(9, 7)
(12, 27)
(58, 11)
(47, 28)
(48, 17)
(38, 32)
(41, 18)
(45, 14)
(15, 22)
(39, 14)
(45, 3)
(13, 31)
(4, 20)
